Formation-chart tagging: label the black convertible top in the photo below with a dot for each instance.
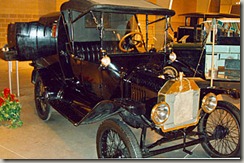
(117, 6)
(209, 15)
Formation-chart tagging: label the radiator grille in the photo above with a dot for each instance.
(138, 93)
(183, 109)
(184, 105)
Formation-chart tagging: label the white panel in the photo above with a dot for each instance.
(228, 56)
(235, 49)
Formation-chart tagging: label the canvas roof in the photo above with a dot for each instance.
(118, 6)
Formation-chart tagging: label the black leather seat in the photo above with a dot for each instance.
(91, 51)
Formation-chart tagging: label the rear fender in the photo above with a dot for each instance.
(50, 79)
(43, 73)
(34, 76)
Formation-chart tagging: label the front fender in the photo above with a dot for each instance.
(108, 108)
(101, 111)
(233, 93)
(188, 70)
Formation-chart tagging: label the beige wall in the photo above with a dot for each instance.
(225, 5)
(188, 6)
(59, 3)
(181, 7)
(46, 6)
(202, 5)
(34, 7)
(19, 7)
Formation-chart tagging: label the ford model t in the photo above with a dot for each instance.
(194, 47)
(102, 60)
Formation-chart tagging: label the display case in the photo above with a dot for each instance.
(226, 62)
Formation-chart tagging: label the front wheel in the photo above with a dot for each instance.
(222, 131)
(116, 140)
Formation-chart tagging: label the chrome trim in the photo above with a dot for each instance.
(154, 112)
(207, 104)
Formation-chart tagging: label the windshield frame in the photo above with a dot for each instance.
(72, 18)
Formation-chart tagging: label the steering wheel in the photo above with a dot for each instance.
(129, 42)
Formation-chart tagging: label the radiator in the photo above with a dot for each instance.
(183, 99)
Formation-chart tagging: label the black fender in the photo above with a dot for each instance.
(53, 84)
(233, 93)
(179, 65)
(34, 76)
(108, 108)
(45, 75)
(101, 111)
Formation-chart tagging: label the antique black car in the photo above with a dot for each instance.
(193, 46)
(103, 60)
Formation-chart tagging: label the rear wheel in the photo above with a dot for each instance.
(116, 140)
(222, 131)
(43, 109)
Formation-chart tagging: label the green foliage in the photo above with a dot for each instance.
(10, 109)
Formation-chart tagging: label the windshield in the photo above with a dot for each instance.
(120, 33)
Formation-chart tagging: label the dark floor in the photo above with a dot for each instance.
(57, 138)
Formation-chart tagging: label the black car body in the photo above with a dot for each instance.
(96, 59)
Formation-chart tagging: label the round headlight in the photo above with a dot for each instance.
(160, 113)
(209, 102)
(105, 61)
(172, 56)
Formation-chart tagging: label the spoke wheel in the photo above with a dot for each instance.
(222, 131)
(42, 107)
(116, 140)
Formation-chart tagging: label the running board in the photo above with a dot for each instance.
(73, 111)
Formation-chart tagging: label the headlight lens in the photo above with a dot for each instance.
(160, 113)
(172, 56)
(209, 102)
(105, 61)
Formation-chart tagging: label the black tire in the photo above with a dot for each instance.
(116, 140)
(223, 125)
(43, 109)
(170, 70)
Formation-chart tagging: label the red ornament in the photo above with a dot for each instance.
(6, 92)
(1, 101)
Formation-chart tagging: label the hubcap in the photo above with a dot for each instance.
(220, 132)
